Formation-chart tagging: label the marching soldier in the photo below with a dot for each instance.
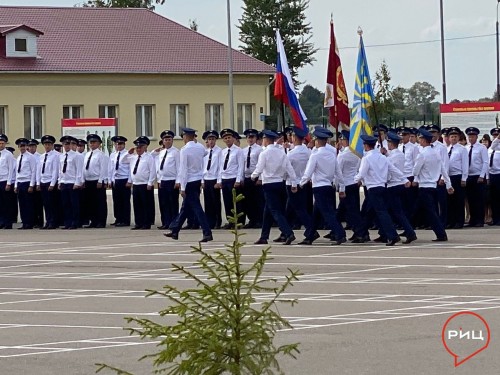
(80, 146)
(95, 173)
(46, 183)
(190, 176)
(37, 196)
(252, 191)
(70, 182)
(119, 174)
(494, 176)
(7, 171)
(211, 165)
(441, 188)
(382, 130)
(478, 170)
(458, 172)
(25, 183)
(410, 151)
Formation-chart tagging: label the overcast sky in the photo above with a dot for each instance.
(470, 62)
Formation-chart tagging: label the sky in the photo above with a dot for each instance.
(404, 33)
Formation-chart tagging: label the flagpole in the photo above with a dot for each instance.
(230, 63)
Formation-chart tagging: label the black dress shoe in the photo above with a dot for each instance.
(402, 234)
(440, 239)
(121, 225)
(458, 226)
(207, 238)
(357, 240)
(248, 226)
(327, 236)
(410, 239)
(50, 227)
(393, 242)
(340, 241)
(289, 240)
(352, 237)
(90, 226)
(315, 236)
(380, 239)
(136, 228)
(305, 242)
(280, 239)
(260, 241)
(228, 226)
(146, 227)
(172, 235)
(72, 227)
(113, 224)
(162, 227)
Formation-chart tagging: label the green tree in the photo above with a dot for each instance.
(311, 101)
(384, 100)
(257, 31)
(220, 329)
(149, 4)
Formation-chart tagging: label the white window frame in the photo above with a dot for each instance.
(143, 127)
(106, 108)
(32, 109)
(210, 118)
(175, 125)
(71, 109)
(241, 113)
(3, 119)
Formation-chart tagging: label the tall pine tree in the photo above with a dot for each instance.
(257, 31)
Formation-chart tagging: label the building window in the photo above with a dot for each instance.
(108, 111)
(178, 117)
(213, 117)
(72, 111)
(33, 122)
(245, 117)
(144, 120)
(21, 45)
(3, 119)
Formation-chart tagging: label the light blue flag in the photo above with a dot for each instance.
(363, 100)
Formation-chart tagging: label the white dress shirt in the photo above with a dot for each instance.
(429, 168)
(298, 156)
(171, 159)
(48, 168)
(494, 157)
(98, 166)
(349, 165)
(459, 161)
(235, 166)
(74, 168)
(7, 166)
(250, 160)
(212, 154)
(191, 166)
(410, 151)
(374, 170)
(323, 170)
(274, 166)
(479, 160)
(144, 168)
(26, 169)
(443, 152)
(397, 159)
(118, 170)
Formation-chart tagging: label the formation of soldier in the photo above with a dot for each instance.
(412, 179)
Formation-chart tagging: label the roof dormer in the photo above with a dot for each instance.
(19, 41)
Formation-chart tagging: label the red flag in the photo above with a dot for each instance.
(336, 93)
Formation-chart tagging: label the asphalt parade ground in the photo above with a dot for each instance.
(363, 309)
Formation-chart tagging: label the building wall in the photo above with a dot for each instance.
(53, 91)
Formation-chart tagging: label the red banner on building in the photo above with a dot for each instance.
(89, 122)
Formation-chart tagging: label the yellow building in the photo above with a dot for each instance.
(147, 71)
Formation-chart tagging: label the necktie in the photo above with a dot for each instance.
(163, 160)
(449, 152)
(88, 161)
(209, 160)
(20, 164)
(404, 150)
(227, 159)
(491, 158)
(136, 164)
(65, 164)
(117, 161)
(248, 156)
(44, 162)
(470, 155)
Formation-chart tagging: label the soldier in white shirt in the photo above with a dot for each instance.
(443, 152)
(231, 173)
(95, 173)
(7, 171)
(410, 151)
(70, 182)
(119, 174)
(494, 176)
(37, 196)
(46, 181)
(25, 183)
(211, 194)
(478, 170)
(254, 198)
(167, 168)
(458, 172)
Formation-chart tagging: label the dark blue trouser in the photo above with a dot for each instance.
(274, 208)
(409, 201)
(325, 207)
(253, 202)
(26, 204)
(38, 208)
(495, 198)
(5, 212)
(168, 199)
(352, 210)
(442, 202)
(191, 200)
(376, 197)
(395, 207)
(49, 204)
(95, 202)
(70, 201)
(427, 198)
(456, 202)
(475, 196)
(297, 202)
(227, 196)
(140, 197)
(213, 208)
(121, 201)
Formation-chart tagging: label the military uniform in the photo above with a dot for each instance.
(494, 176)
(25, 184)
(119, 175)
(46, 181)
(7, 170)
(211, 194)
(253, 202)
(458, 172)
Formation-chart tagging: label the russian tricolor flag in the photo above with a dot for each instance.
(284, 90)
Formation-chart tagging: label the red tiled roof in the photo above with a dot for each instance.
(5, 29)
(119, 40)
